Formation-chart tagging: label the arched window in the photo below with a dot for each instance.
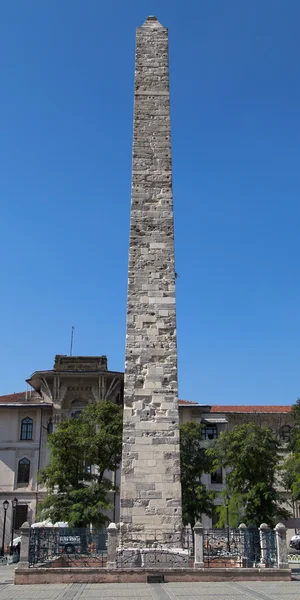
(26, 429)
(285, 433)
(23, 470)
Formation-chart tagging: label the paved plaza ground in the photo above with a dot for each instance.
(249, 590)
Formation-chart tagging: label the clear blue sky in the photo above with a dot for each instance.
(66, 108)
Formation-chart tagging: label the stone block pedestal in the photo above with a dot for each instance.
(148, 558)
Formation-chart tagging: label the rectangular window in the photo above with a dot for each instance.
(217, 476)
(215, 517)
(285, 433)
(87, 467)
(20, 515)
(209, 432)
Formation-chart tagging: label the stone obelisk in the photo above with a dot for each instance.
(150, 480)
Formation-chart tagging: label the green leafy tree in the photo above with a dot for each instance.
(290, 477)
(295, 433)
(235, 510)
(196, 499)
(82, 450)
(251, 455)
(290, 471)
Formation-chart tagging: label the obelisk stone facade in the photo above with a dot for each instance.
(150, 481)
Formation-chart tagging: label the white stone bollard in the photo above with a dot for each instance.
(24, 552)
(112, 544)
(198, 545)
(264, 544)
(241, 544)
(282, 559)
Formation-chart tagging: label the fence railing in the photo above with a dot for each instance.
(238, 548)
(64, 546)
(242, 547)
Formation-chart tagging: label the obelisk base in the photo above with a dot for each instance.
(164, 558)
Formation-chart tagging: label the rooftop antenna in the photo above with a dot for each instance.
(72, 334)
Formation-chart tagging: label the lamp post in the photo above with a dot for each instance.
(5, 507)
(114, 517)
(227, 500)
(49, 427)
(14, 506)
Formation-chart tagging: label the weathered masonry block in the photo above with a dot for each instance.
(150, 481)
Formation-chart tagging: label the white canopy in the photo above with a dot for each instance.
(17, 541)
(48, 523)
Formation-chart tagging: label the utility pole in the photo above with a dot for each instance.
(72, 334)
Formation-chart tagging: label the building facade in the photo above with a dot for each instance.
(27, 418)
(217, 419)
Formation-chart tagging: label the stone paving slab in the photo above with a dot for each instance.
(255, 590)
(7, 573)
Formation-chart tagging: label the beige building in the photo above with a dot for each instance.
(27, 418)
(220, 418)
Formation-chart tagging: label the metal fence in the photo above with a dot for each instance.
(236, 548)
(269, 549)
(66, 546)
(222, 548)
(187, 540)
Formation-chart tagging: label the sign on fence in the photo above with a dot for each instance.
(51, 543)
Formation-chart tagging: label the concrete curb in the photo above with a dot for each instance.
(64, 575)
